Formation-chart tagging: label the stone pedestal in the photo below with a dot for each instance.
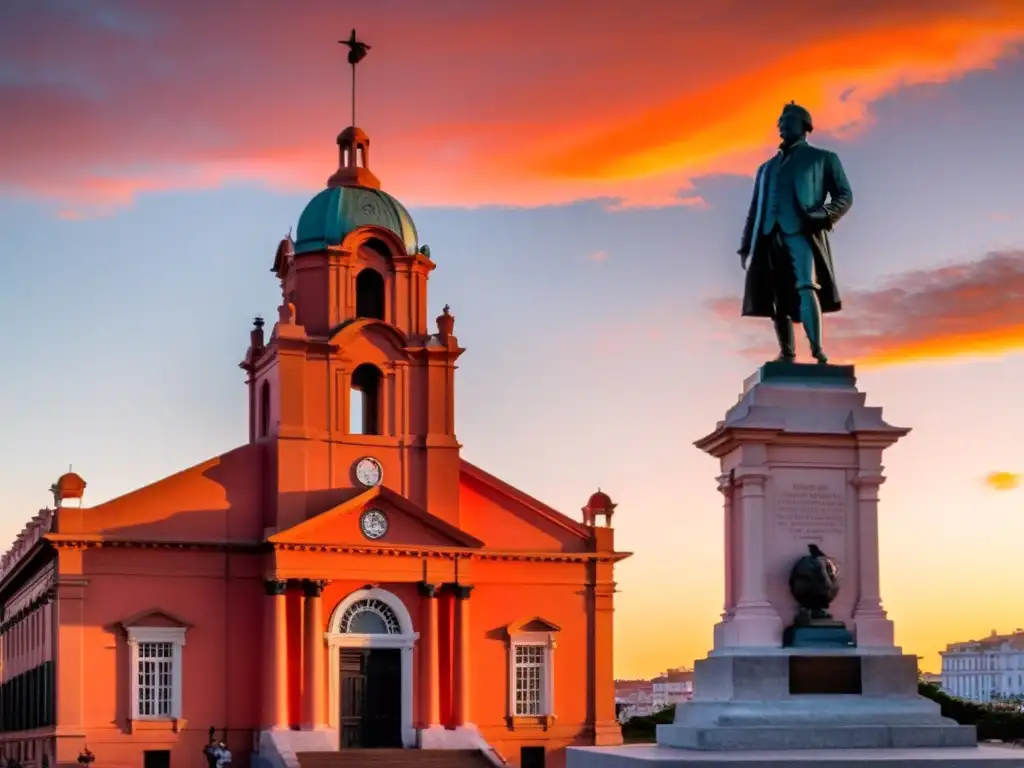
(801, 463)
(799, 699)
(801, 459)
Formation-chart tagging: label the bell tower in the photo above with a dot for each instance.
(351, 370)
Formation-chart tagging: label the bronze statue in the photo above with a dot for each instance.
(814, 583)
(799, 195)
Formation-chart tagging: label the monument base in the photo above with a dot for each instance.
(641, 755)
(810, 699)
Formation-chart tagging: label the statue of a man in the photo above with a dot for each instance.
(799, 195)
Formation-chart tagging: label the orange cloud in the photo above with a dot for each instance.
(1003, 481)
(526, 103)
(970, 309)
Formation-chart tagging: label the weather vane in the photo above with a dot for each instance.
(356, 53)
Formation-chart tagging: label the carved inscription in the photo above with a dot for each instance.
(810, 511)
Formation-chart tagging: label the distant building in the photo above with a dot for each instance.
(634, 698)
(673, 687)
(985, 670)
(931, 677)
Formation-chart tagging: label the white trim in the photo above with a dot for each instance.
(547, 641)
(176, 637)
(404, 641)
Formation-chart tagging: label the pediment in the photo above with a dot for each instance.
(153, 617)
(531, 626)
(407, 525)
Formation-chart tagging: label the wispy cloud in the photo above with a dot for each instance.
(598, 256)
(526, 103)
(1003, 481)
(970, 309)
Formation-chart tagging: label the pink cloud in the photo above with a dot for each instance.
(526, 103)
(968, 309)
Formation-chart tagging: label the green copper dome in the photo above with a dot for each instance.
(337, 211)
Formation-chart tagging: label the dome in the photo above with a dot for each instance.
(600, 501)
(339, 210)
(70, 486)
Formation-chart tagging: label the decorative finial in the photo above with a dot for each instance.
(445, 323)
(356, 52)
(289, 237)
(258, 322)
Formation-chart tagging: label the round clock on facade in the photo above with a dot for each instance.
(374, 523)
(369, 472)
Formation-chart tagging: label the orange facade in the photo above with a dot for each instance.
(342, 580)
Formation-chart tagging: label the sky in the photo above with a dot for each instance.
(581, 173)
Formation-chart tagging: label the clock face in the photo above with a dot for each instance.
(369, 472)
(374, 523)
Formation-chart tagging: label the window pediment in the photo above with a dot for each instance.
(535, 626)
(153, 618)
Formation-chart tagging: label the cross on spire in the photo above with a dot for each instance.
(356, 53)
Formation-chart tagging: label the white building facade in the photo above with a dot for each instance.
(985, 670)
(674, 687)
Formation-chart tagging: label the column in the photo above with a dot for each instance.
(275, 656)
(725, 487)
(752, 576)
(606, 727)
(313, 687)
(869, 617)
(429, 658)
(755, 622)
(462, 662)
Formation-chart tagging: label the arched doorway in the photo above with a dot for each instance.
(370, 640)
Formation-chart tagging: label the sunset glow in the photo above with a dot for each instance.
(581, 172)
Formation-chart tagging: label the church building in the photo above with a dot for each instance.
(343, 584)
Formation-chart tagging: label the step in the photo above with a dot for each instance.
(395, 758)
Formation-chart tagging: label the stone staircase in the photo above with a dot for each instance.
(395, 758)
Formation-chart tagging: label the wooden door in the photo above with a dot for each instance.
(353, 697)
(371, 698)
(382, 717)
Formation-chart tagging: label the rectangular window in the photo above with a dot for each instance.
(530, 675)
(156, 679)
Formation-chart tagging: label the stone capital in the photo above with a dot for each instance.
(725, 483)
(427, 589)
(868, 480)
(275, 588)
(313, 587)
(461, 591)
(750, 476)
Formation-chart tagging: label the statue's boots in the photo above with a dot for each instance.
(787, 343)
(810, 316)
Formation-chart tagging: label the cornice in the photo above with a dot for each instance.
(453, 553)
(86, 541)
(36, 603)
(70, 541)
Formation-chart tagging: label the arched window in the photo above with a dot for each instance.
(370, 617)
(365, 401)
(370, 294)
(344, 157)
(265, 409)
(359, 156)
